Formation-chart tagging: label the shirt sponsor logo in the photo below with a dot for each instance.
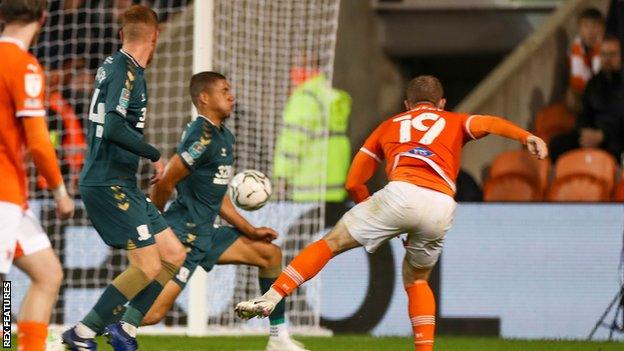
(33, 84)
(222, 177)
(421, 151)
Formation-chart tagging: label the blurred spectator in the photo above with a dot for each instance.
(312, 108)
(601, 122)
(584, 59)
(615, 20)
(558, 118)
(65, 127)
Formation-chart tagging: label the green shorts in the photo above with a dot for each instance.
(124, 217)
(201, 249)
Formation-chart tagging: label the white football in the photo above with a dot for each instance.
(250, 190)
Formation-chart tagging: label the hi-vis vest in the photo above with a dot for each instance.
(312, 146)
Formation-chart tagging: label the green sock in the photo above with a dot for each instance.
(278, 314)
(140, 304)
(110, 304)
(138, 307)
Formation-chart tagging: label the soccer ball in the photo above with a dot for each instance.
(250, 190)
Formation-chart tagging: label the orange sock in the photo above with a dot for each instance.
(32, 336)
(304, 267)
(422, 314)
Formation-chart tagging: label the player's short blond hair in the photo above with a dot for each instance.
(424, 89)
(138, 23)
(22, 11)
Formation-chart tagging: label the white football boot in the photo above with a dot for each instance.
(284, 344)
(258, 307)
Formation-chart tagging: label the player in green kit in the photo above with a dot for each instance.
(201, 170)
(123, 216)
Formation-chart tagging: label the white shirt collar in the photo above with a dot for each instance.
(207, 119)
(136, 63)
(17, 42)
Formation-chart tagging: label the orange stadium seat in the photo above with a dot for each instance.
(516, 176)
(586, 175)
(619, 190)
(552, 121)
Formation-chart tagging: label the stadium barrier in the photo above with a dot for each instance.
(507, 270)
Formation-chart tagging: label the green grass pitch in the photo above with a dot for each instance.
(364, 343)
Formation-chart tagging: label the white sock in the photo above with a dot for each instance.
(273, 296)
(84, 332)
(129, 328)
(279, 331)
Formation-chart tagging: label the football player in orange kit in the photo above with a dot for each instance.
(422, 148)
(22, 116)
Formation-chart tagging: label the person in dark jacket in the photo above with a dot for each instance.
(601, 122)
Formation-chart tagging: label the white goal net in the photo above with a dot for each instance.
(261, 46)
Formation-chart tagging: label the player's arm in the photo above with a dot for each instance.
(43, 155)
(119, 132)
(364, 166)
(231, 215)
(119, 87)
(28, 95)
(161, 190)
(361, 171)
(479, 126)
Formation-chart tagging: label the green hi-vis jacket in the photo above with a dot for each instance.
(303, 156)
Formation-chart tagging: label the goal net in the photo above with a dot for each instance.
(265, 48)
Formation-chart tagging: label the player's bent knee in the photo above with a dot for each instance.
(273, 255)
(52, 279)
(151, 270)
(412, 273)
(49, 275)
(176, 257)
(340, 240)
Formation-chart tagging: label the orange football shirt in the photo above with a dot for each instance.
(423, 146)
(21, 95)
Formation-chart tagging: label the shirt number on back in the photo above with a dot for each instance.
(432, 132)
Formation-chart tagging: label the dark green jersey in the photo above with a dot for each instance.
(207, 151)
(119, 89)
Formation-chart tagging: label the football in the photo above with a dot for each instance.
(250, 190)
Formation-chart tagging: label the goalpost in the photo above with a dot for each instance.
(257, 44)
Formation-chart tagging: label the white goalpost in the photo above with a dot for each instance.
(202, 61)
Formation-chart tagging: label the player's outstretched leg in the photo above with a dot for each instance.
(304, 267)
(268, 258)
(421, 305)
(144, 267)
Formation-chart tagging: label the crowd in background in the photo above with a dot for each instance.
(584, 128)
(590, 115)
